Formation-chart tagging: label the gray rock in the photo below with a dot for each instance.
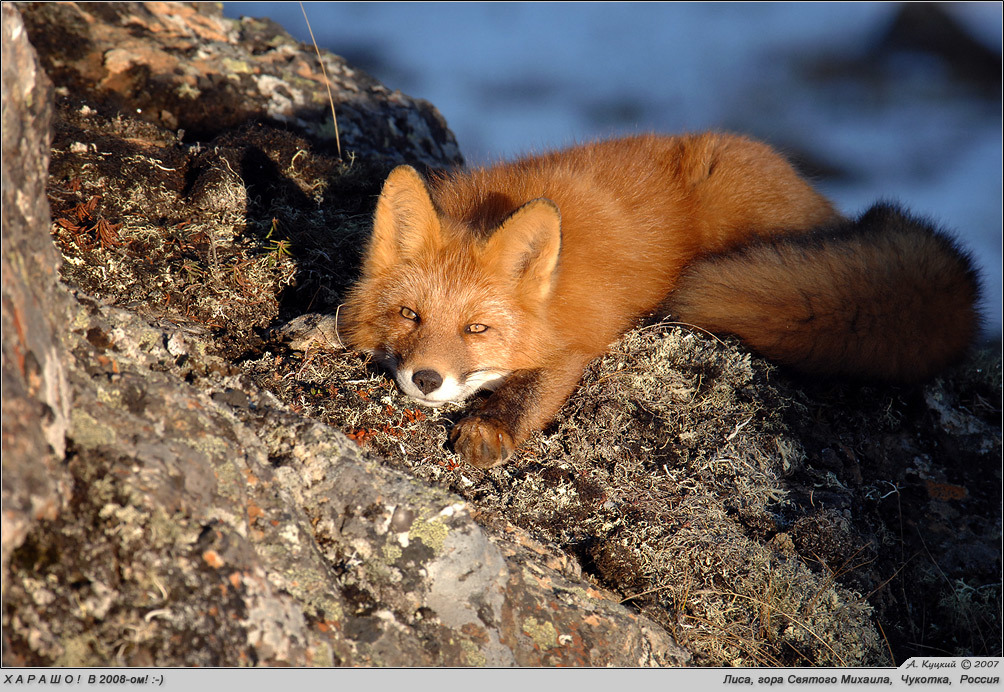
(36, 400)
(138, 58)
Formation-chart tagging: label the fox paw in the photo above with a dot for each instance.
(482, 441)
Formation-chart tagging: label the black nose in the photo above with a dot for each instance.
(427, 380)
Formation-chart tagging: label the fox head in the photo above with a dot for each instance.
(451, 309)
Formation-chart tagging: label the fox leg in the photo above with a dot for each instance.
(527, 401)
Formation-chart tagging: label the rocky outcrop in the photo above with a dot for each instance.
(209, 525)
(36, 399)
(183, 65)
(160, 508)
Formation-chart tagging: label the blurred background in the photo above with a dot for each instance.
(875, 100)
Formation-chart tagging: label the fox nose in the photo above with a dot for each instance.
(427, 380)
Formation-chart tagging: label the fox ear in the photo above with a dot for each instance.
(527, 246)
(404, 221)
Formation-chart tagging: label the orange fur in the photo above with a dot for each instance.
(514, 277)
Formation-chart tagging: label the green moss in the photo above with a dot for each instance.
(79, 652)
(473, 654)
(431, 531)
(543, 633)
(88, 432)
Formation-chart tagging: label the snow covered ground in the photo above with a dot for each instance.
(516, 77)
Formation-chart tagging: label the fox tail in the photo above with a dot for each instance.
(886, 296)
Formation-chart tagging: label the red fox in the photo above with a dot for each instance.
(512, 278)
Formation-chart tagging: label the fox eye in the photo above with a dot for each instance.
(409, 314)
(476, 328)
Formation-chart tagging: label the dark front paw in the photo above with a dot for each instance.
(482, 441)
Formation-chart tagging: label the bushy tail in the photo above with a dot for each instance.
(885, 296)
